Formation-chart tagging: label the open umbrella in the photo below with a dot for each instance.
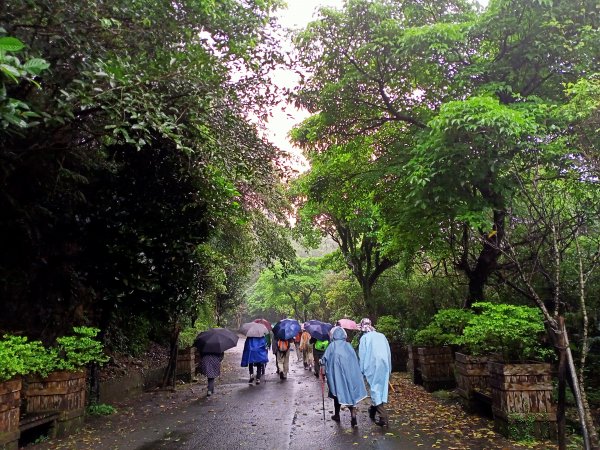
(348, 324)
(286, 329)
(317, 329)
(216, 340)
(254, 329)
(265, 322)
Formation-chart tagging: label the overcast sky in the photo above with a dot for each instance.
(297, 15)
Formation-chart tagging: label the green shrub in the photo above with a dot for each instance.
(515, 332)
(19, 356)
(77, 351)
(390, 326)
(445, 328)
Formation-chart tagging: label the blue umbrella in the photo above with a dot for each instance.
(317, 329)
(286, 329)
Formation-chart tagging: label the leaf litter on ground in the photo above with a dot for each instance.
(442, 418)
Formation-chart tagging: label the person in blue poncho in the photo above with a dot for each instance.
(376, 365)
(255, 354)
(344, 380)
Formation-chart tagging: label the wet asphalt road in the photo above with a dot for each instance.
(277, 414)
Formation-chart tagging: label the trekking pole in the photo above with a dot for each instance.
(322, 389)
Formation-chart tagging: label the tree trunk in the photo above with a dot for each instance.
(487, 261)
(169, 375)
(370, 308)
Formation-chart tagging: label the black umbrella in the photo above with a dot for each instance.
(318, 330)
(216, 340)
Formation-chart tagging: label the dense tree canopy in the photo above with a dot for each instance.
(121, 190)
(455, 101)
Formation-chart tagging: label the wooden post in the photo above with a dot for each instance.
(562, 386)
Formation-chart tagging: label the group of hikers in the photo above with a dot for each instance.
(344, 368)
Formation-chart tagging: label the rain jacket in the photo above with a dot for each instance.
(343, 373)
(376, 364)
(255, 351)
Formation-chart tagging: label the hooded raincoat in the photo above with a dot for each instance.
(342, 370)
(255, 351)
(376, 364)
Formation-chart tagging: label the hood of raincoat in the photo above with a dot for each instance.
(338, 334)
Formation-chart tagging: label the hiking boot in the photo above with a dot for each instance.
(372, 412)
(251, 380)
(353, 422)
(208, 393)
(281, 376)
(335, 418)
(258, 381)
(381, 423)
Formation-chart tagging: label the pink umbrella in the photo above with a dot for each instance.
(348, 324)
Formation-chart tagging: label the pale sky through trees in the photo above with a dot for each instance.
(297, 15)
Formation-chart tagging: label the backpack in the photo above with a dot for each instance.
(321, 345)
(283, 345)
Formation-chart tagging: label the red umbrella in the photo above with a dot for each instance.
(265, 322)
(348, 324)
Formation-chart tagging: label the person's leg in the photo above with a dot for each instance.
(383, 415)
(251, 370)
(280, 363)
(286, 364)
(260, 368)
(298, 352)
(316, 357)
(353, 421)
(211, 387)
(372, 412)
(336, 410)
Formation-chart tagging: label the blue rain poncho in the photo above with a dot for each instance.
(255, 351)
(376, 364)
(341, 368)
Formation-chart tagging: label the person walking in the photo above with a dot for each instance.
(319, 347)
(376, 365)
(255, 355)
(283, 357)
(307, 350)
(297, 346)
(210, 366)
(344, 379)
(274, 350)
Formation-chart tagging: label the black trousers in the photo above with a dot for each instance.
(260, 369)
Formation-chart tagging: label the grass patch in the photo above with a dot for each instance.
(101, 410)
